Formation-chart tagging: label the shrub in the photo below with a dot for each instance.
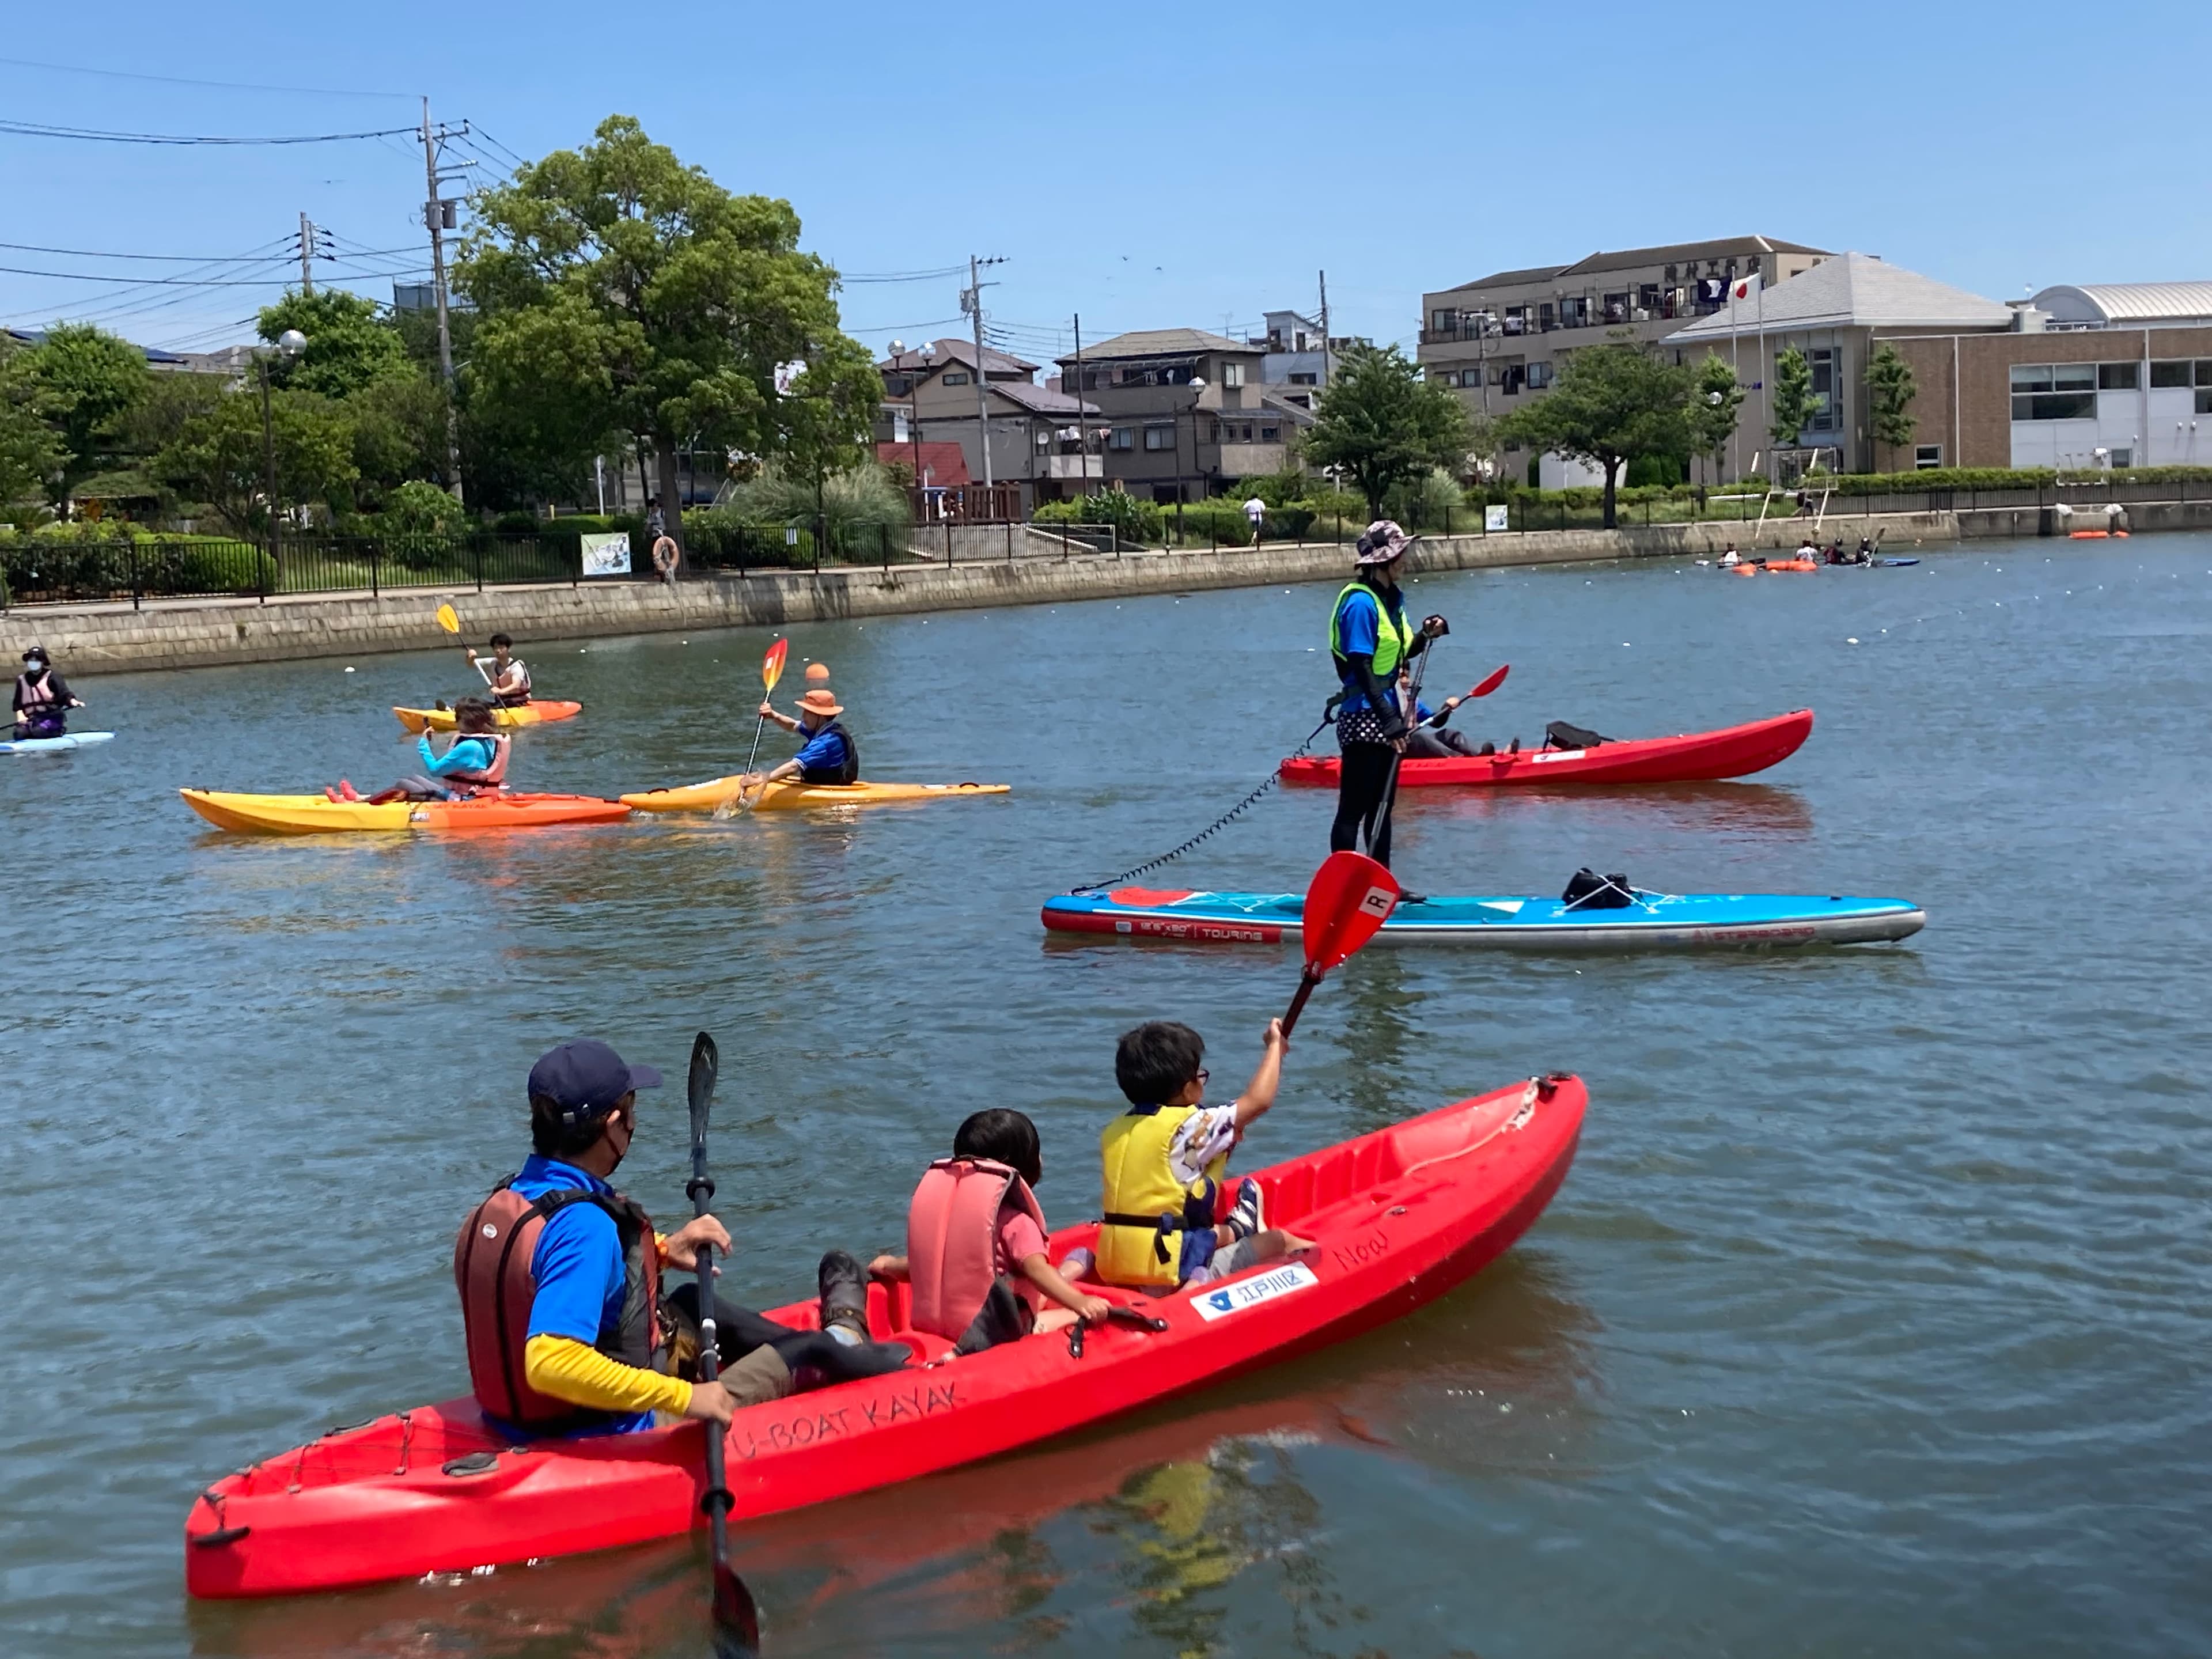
(1140, 522)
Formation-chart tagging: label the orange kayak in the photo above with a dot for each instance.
(312, 815)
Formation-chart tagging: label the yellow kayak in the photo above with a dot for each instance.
(534, 712)
(777, 797)
(310, 815)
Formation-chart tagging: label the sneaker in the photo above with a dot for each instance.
(844, 1304)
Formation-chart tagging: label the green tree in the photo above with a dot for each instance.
(87, 382)
(621, 291)
(1715, 405)
(1610, 405)
(217, 457)
(30, 454)
(1382, 424)
(1890, 392)
(1791, 410)
(399, 427)
(351, 345)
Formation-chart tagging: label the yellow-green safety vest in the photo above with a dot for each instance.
(1141, 1187)
(1394, 638)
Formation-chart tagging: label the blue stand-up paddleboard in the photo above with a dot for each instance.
(53, 745)
(1666, 921)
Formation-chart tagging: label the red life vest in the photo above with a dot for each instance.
(488, 777)
(491, 1267)
(951, 1233)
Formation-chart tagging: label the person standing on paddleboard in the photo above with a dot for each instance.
(43, 698)
(560, 1279)
(1370, 640)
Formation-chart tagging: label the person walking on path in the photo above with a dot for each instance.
(1370, 640)
(1256, 511)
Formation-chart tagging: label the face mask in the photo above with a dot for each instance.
(35, 666)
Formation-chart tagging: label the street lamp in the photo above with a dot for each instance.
(289, 344)
(1197, 392)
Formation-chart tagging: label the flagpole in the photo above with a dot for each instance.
(1736, 368)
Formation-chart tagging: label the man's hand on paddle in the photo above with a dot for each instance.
(681, 1248)
(711, 1403)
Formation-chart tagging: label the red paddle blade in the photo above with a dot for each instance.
(1491, 684)
(1351, 897)
(772, 664)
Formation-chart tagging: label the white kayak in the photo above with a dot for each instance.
(46, 745)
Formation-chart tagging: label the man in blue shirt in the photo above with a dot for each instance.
(828, 754)
(568, 1331)
(1370, 641)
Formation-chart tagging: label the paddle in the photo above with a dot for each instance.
(1489, 684)
(448, 620)
(1381, 822)
(1351, 897)
(737, 1621)
(771, 672)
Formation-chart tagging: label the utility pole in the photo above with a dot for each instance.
(971, 301)
(1324, 328)
(307, 254)
(438, 215)
(1082, 425)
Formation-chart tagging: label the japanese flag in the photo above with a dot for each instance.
(1744, 287)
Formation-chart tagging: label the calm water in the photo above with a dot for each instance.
(1873, 1317)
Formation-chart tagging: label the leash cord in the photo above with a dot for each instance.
(1234, 812)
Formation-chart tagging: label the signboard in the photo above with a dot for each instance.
(607, 555)
(1495, 519)
(1242, 1293)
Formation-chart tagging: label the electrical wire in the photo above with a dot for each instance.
(41, 130)
(149, 281)
(96, 253)
(181, 80)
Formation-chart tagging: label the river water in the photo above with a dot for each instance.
(1872, 1317)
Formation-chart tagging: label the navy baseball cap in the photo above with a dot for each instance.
(586, 1079)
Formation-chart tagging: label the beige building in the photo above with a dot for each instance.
(1499, 339)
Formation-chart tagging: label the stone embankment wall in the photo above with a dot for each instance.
(206, 632)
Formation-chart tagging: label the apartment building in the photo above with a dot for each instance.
(1499, 339)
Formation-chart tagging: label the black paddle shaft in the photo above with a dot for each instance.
(735, 1616)
(1381, 819)
(1307, 982)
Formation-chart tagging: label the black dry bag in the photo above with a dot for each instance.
(1588, 890)
(1561, 735)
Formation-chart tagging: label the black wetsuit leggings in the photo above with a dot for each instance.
(738, 1331)
(1363, 773)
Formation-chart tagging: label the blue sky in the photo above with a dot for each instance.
(1147, 166)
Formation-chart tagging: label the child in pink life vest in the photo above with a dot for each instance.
(976, 1260)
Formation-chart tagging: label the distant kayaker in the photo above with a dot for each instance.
(1730, 558)
(828, 754)
(43, 698)
(568, 1330)
(977, 1242)
(1866, 552)
(474, 764)
(1171, 1215)
(506, 679)
(1369, 640)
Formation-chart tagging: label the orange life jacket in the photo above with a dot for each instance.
(951, 1233)
(484, 779)
(491, 1267)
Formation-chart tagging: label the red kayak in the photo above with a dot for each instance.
(1734, 751)
(1399, 1218)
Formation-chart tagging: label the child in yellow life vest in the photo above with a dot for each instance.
(1171, 1216)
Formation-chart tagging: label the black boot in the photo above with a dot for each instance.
(844, 1285)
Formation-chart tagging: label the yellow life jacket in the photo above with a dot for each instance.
(1394, 634)
(1141, 1240)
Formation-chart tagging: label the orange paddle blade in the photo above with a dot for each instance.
(1350, 897)
(1492, 683)
(772, 664)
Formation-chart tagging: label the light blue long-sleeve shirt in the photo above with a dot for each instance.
(469, 754)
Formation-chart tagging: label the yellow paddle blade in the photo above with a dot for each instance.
(447, 620)
(772, 664)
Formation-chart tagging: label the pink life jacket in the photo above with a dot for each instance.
(484, 780)
(951, 1231)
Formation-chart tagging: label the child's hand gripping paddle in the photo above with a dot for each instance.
(737, 1621)
(1351, 897)
(771, 672)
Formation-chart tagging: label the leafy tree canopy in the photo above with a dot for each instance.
(1382, 424)
(1609, 405)
(87, 381)
(351, 345)
(622, 291)
(30, 456)
(1890, 392)
(217, 457)
(1792, 407)
(1715, 405)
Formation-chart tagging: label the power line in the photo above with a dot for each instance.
(899, 276)
(39, 130)
(167, 259)
(152, 281)
(181, 80)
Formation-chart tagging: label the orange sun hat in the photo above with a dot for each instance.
(821, 702)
